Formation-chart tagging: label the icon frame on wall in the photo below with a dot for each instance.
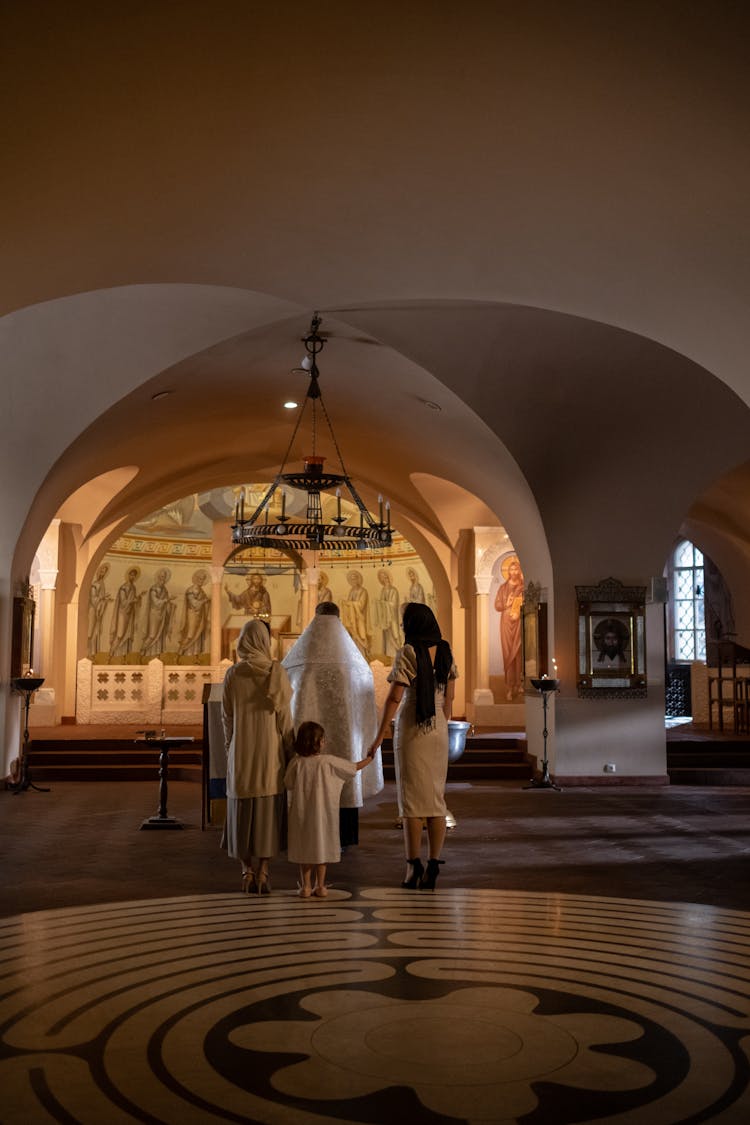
(22, 639)
(611, 641)
(534, 636)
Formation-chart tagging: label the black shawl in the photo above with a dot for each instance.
(422, 631)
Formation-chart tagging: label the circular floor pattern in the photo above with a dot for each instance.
(473, 1006)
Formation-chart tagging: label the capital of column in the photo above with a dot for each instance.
(48, 578)
(482, 583)
(217, 575)
(309, 578)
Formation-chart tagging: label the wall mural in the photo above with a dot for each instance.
(152, 594)
(506, 656)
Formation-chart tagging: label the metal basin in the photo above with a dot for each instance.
(457, 732)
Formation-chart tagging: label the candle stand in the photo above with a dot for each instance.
(544, 686)
(26, 686)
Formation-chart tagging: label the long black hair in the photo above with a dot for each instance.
(422, 631)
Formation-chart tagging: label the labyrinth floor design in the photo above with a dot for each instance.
(390, 1006)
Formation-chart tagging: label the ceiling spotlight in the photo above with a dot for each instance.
(290, 405)
(160, 394)
(432, 405)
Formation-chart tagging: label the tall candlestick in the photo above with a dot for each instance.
(338, 502)
(380, 508)
(388, 513)
(283, 505)
(242, 505)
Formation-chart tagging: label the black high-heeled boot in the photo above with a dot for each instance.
(417, 871)
(429, 879)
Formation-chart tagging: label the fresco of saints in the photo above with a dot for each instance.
(324, 590)
(355, 613)
(159, 614)
(126, 607)
(255, 601)
(98, 598)
(387, 615)
(508, 603)
(196, 613)
(416, 589)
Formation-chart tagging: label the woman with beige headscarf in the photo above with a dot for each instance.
(258, 734)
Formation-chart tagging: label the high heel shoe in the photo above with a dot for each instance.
(417, 871)
(249, 886)
(429, 879)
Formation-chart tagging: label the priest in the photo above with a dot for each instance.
(332, 685)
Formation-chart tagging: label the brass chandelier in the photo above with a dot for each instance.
(314, 534)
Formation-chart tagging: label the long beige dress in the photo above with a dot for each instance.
(421, 756)
(258, 734)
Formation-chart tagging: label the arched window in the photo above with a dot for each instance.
(688, 602)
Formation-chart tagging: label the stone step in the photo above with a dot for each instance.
(709, 775)
(496, 755)
(502, 757)
(729, 759)
(122, 756)
(111, 759)
(102, 771)
(709, 761)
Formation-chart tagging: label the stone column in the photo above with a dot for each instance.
(217, 577)
(46, 623)
(482, 695)
(309, 581)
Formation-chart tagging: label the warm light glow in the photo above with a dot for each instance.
(290, 405)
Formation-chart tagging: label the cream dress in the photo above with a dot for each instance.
(421, 756)
(315, 789)
(257, 721)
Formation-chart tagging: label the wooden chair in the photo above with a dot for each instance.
(742, 705)
(722, 688)
(728, 692)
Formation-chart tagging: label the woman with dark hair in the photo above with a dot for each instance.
(258, 734)
(421, 700)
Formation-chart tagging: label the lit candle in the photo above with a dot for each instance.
(388, 513)
(338, 502)
(380, 507)
(242, 505)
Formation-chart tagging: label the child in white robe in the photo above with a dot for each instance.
(315, 780)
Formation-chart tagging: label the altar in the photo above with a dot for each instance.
(279, 623)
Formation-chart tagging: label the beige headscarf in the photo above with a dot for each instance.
(254, 650)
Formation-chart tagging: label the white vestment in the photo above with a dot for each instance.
(332, 685)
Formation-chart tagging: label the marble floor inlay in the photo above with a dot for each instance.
(475, 1006)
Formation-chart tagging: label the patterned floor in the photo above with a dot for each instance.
(389, 1006)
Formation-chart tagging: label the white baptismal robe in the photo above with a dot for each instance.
(332, 685)
(315, 784)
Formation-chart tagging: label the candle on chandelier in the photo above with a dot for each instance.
(283, 505)
(338, 502)
(380, 508)
(242, 505)
(388, 513)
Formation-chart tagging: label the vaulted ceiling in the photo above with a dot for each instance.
(534, 218)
